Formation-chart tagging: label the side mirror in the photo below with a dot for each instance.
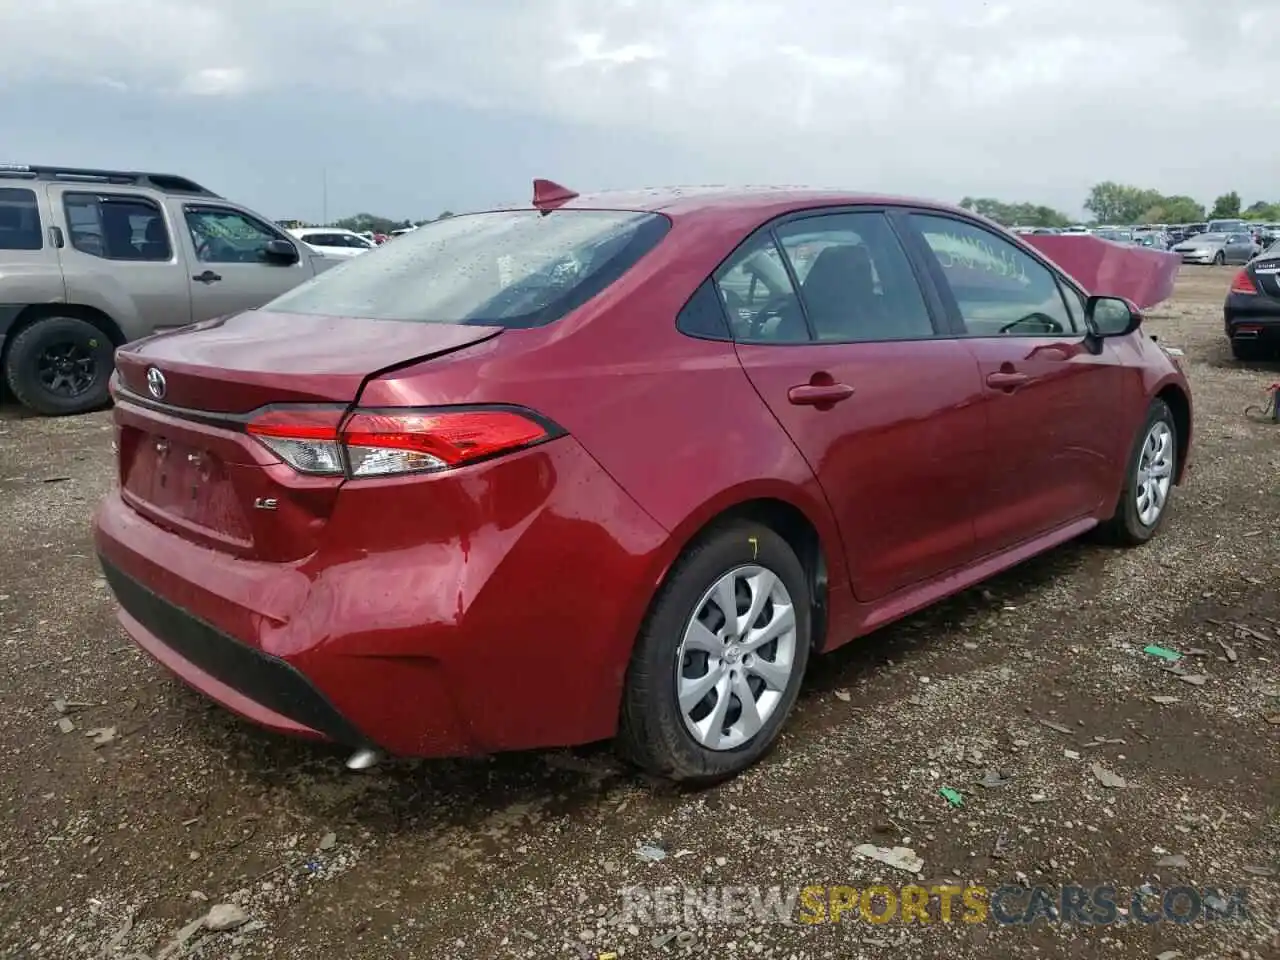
(1111, 316)
(280, 252)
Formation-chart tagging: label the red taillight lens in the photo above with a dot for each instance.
(306, 438)
(376, 443)
(385, 442)
(1243, 283)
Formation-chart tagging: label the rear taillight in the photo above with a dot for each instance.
(378, 443)
(1243, 283)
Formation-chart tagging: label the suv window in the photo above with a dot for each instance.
(117, 227)
(19, 220)
(509, 268)
(856, 282)
(998, 289)
(227, 236)
(758, 294)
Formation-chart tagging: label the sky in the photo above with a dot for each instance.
(405, 108)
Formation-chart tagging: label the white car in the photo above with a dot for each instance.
(334, 242)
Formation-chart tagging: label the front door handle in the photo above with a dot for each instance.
(207, 277)
(819, 395)
(1006, 381)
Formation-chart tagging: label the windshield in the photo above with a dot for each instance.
(518, 268)
(1211, 237)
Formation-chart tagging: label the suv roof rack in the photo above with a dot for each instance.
(164, 182)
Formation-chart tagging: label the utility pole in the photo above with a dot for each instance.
(324, 187)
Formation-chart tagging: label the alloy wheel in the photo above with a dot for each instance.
(736, 658)
(67, 369)
(1155, 473)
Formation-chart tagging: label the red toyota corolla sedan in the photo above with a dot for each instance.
(617, 466)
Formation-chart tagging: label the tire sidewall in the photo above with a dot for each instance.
(1158, 412)
(21, 366)
(722, 551)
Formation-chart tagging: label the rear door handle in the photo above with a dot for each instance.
(1006, 381)
(817, 395)
(207, 277)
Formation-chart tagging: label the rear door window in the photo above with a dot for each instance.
(20, 220)
(856, 282)
(117, 227)
(515, 268)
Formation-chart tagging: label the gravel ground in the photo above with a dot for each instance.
(131, 806)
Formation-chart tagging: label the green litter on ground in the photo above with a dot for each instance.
(1162, 653)
(953, 796)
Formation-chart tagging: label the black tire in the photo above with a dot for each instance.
(28, 355)
(1219, 258)
(1125, 528)
(652, 731)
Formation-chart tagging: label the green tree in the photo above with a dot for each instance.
(1261, 210)
(1175, 209)
(1015, 214)
(367, 223)
(1112, 202)
(1227, 205)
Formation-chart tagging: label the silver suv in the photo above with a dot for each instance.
(92, 259)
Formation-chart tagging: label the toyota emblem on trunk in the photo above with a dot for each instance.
(156, 383)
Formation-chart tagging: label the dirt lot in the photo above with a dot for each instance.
(108, 849)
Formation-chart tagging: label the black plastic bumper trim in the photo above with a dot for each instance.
(264, 679)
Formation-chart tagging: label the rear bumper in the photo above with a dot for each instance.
(1252, 317)
(499, 617)
(249, 682)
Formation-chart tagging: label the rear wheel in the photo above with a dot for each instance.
(1144, 499)
(60, 366)
(720, 658)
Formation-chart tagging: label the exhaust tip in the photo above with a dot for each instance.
(364, 760)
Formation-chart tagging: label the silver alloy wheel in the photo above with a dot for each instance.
(736, 657)
(1155, 473)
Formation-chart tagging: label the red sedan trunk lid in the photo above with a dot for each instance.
(186, 463)
(239, 363)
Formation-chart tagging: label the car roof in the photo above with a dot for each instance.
(324, 230)
(769, 201)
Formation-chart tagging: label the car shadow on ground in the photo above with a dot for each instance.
(426, 797)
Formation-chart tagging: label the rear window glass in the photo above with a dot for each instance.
(19, 220)
(510, 269)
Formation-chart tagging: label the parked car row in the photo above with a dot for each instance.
(1166, 236)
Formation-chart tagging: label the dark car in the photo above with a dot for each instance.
(1251, 313)
(616, 466)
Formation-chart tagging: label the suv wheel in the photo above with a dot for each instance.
(60, 366)
(719, 661)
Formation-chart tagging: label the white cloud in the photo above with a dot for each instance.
(1011, 98)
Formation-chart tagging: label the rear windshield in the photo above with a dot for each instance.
(516, 268)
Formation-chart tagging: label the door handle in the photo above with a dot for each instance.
(207, 277)
(819, 395)
(1006, 381)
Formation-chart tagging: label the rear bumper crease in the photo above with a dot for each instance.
(268, 681)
